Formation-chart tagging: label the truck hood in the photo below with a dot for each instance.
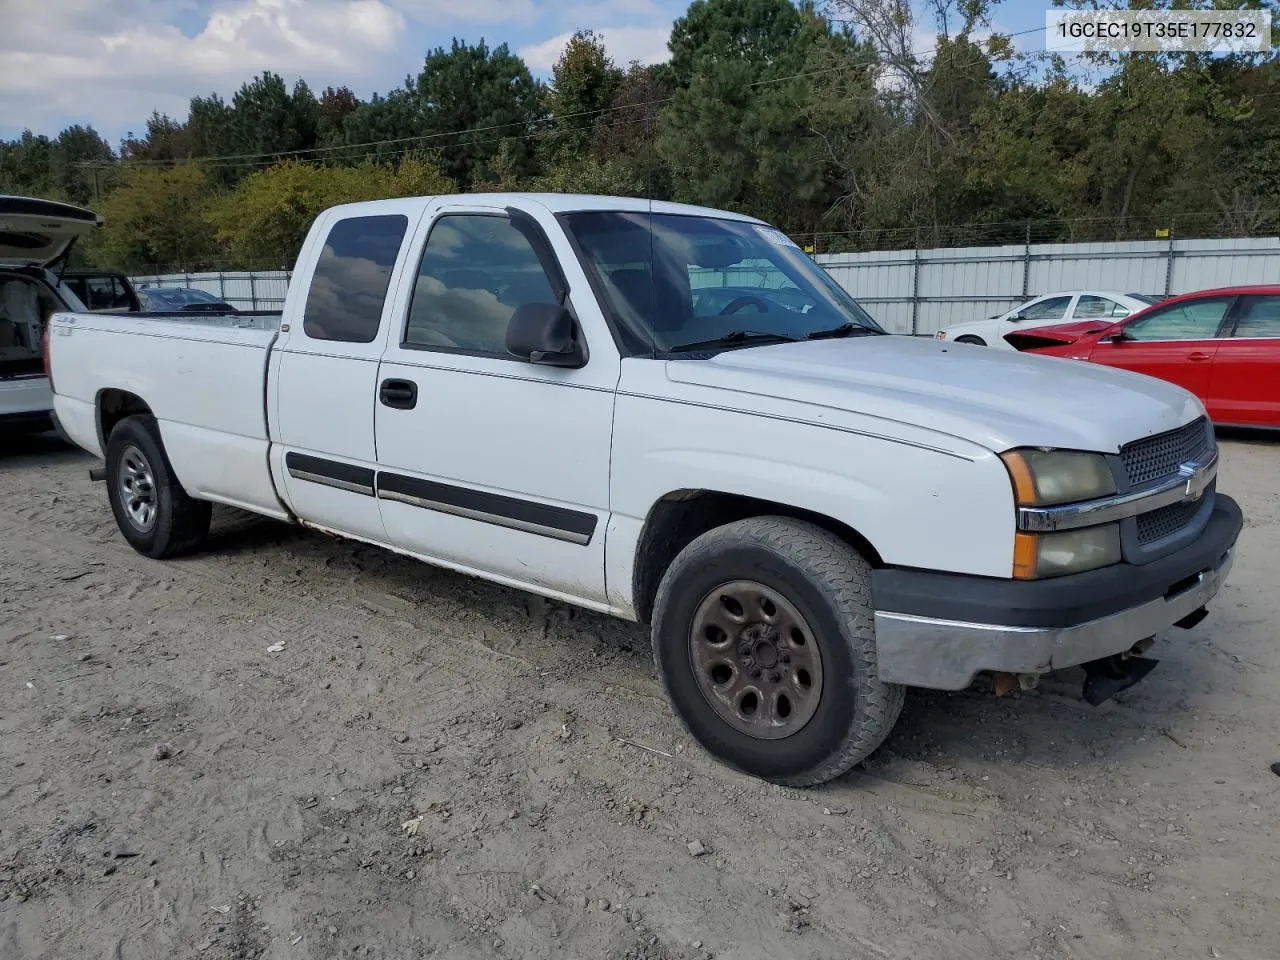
(38, 232)
(996, 399)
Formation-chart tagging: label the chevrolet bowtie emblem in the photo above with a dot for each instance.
(1197, 475)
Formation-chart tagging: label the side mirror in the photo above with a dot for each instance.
(1115, 335)
(544, 333)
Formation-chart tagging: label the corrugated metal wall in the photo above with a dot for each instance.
(244, 290)
(921, 291)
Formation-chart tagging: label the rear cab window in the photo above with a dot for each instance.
(349, 285)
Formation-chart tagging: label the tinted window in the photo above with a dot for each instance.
(475, 271)
(1055, 308)
(1260, 318)
(1194, 320)
(350, 283)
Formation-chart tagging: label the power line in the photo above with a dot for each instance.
(257, 159)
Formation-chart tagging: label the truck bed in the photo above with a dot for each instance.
(203, 377)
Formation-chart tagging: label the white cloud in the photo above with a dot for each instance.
(645, 44)
(470, 11)
(111, 64)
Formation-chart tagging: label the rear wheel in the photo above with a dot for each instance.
(970, 338)
(764, 638)
(151, 509)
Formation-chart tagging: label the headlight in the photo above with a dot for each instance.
(940, 335)
(1043, 478)
(1040, 555)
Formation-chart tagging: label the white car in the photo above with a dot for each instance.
(35, 236)
(810, 514)
(1065, 307)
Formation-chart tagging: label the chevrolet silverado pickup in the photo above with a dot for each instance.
(672, 415)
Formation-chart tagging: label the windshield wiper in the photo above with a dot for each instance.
(732, 337)
(844, 330)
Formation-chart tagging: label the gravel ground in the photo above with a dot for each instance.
(297, 747)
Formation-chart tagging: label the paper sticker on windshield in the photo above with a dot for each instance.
(776, 237)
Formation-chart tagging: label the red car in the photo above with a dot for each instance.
(1223, 345)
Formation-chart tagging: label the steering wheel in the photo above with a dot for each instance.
(736, 304)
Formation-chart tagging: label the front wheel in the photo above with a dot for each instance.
(151, 509)
(764, 638)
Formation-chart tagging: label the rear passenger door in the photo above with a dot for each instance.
(1245, 383)
(326, 374)
(488, 462)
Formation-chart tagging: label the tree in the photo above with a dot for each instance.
(583, 85)
(155, 220)
(734, 134)
(613, 177)
(472, 98)
(269, 120)
(26, 165)
(628, 132)
(266, 218)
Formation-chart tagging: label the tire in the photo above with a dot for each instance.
(175, 523)
(970, 338)
(807, 573)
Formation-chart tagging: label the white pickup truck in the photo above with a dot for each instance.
(672, 415)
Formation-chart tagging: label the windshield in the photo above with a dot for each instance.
(672, 280)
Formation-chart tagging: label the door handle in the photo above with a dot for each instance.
(1197, 356)
(400, 394)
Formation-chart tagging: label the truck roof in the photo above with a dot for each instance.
(555, 202)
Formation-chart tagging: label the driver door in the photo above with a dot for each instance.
(487, 461)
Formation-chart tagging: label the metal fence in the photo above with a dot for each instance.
(249, 290)
(922, 291)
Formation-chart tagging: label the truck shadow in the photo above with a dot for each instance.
(22, 450)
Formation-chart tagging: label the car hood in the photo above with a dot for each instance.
(37, 232)
(995, 399)
(1067, 332)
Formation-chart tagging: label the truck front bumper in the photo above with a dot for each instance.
(940, 630)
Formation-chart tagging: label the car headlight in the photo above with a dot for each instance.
(1043, 478)
(940, 335)
(1040, 555)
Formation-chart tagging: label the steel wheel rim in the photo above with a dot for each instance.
(756, 660)
(136, 485)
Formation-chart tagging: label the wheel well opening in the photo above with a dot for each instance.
(113, 406)
(684, 515)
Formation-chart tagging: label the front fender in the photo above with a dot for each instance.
(916, 506)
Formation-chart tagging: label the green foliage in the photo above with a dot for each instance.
(155, 217)
(734, 134)
(583, 85)
(267, 216)
(610, 178)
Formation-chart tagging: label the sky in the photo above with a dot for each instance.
(110, 63)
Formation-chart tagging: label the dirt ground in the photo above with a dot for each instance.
(432, 766)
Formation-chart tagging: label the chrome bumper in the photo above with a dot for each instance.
(948, 654)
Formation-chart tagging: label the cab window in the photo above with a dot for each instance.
(349, 286)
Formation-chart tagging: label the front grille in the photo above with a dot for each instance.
(1157, 457)
(1166, 521)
